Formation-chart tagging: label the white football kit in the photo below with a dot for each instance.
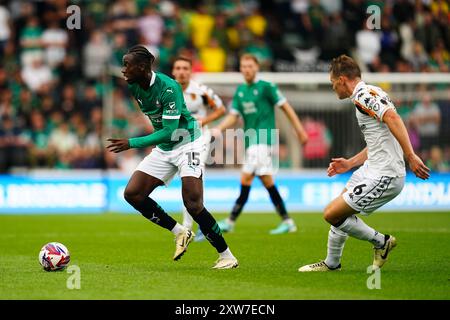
(382, 176)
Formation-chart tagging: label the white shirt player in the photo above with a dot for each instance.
(198, 97)
(385, 156)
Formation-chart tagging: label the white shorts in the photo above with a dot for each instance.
(260, 160)
(186, 160)
(206, 140)
(366, 194)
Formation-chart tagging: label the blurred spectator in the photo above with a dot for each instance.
(314, 21)
(37, 75)
(407, 41)
(84, 154)
(389, 40)
(428, 32)
(40, 153)
(68, 103)
(262, 51)
(220, 31)
(418, 58)
(63, 141)
(336, 40)
(90, 100)
(151, 26)
(123, 18)
(437, 162)
(167, 51)
(119, 48)
(256, 23)
(202, 24)
(55, 41)
(316, 151)
(239, 35)
(5, 29)
(368, 45)
(427, 118)
(96, 53)
(31, 41)
(12, 145)
(213, 57)
(439, 59)
(354, 14)
(402, 10)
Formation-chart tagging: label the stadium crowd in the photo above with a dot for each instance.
(53, 84)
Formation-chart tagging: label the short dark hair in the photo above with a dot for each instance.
(182, 58)
(142, 55)
(345, 66)
(249, 56)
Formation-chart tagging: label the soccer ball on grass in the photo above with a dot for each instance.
(54, 256)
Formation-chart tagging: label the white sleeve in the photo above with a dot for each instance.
(373, 103)
(213, 99)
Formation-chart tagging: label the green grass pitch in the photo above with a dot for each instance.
(127, 257)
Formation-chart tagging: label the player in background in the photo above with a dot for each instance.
(199, 100)
(382, 173)
(177, 138)
(255, 101)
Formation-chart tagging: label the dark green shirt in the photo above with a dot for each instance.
(163, 103)
(256, 103)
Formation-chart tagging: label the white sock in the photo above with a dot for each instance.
(177, 229)
(356, 228)
(187, 219)
(289, 221)
(227, 254)
(230, 222)
(336, 242)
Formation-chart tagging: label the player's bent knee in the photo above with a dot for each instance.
(193, 207)
(133, 197)
(329, 215)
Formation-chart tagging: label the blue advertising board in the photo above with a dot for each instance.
(302, 192)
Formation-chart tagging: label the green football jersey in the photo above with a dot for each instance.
(256, 103)
(163, 103)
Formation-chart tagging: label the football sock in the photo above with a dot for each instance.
(240, 202)
(153, 211)
(227, 254)
(187, 219)
(278, 202)
(336, 242)
(177, 229)
(211, 230)
(356, 228)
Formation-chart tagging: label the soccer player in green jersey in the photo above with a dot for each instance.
(178, 146)
(255, 101)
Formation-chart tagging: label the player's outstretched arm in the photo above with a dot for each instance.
(218, 112)
(342, 165)
(296, 123)
(398, 129)
(229, 121)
